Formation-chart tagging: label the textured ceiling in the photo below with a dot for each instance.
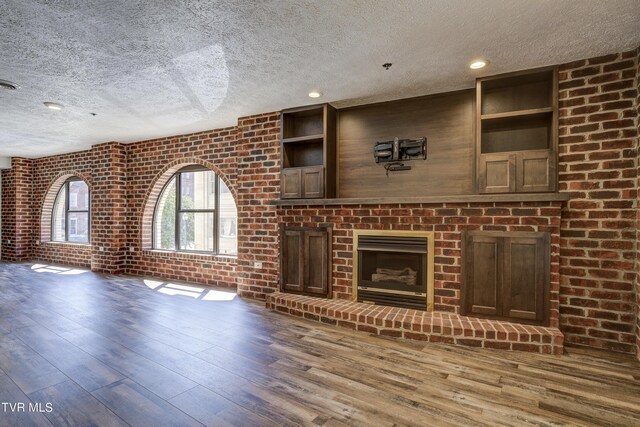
(151, 68)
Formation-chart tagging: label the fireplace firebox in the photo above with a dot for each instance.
(394, 268)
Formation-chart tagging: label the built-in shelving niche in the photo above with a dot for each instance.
(516, 131)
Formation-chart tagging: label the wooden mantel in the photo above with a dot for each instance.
(465, 198)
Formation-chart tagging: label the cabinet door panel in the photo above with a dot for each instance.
(316, 262)
(292, 265)
(506, 275)
(483, 275)
(290, 183)
(526, 266)
(312, 182)
(305, 260)
(497, 173)
(535, 171)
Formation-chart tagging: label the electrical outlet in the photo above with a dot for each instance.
(257, 265)
(132, 249)
(101, 248)
(37, 242)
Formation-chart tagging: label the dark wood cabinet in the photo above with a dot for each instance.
(303, 183)
(517, 132)
(526, 277)
(522, 172)
(536, 171)
(483, 275)
(292, 261)
(291, 183)
(306, 260)
(506, 276)
(316, 258)
(312, 182)
(308, 153)
(497, 173)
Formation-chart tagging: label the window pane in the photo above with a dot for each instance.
(59, 220)
(78, 196)
(165, 219)
(79, 227)
(228, 222)
(196, 231)
(198, 190)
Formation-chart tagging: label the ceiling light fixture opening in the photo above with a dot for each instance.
(480, 63)
(387, 65)
(6, 84)
(53, 105)
(315, 94)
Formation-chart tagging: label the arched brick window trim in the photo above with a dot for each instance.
(50, 198)
(158, 183)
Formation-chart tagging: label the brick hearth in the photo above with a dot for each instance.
(405, 323)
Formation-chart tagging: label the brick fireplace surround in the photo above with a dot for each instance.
(447, 221)
(595, 286)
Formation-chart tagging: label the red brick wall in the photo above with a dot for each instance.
(125, 181)
(447, 221)
(49, 174)
(8, 217)
(638, 205)
(150, 164)
(24, 208)
(258, 185)
(17, 220)
(108, 207)
(597, 167)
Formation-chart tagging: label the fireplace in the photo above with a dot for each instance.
(393, 268)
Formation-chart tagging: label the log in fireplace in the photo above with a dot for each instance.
(394, 268)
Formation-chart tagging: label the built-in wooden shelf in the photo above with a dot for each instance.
(308, 152)
(521, 113)
(306, 138)
(517, 132)
(465, 198)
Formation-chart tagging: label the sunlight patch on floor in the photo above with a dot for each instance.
(196, 292)
(43, 268)
(152, 284)
(219, 296)
(169, 290)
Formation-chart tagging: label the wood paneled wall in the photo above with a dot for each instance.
(446, 120)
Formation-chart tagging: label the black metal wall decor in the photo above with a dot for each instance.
(398, 150)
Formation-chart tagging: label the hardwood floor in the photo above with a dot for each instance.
(115, 351)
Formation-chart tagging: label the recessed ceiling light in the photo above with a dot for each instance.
(53, 105)
(314, 94)
(476, 65)
(6, 84)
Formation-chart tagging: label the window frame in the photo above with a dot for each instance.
(65, 187)
(179, 211)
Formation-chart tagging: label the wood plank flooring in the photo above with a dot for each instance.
(117, 351)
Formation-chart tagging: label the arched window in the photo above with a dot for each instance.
(70, 219)
(196, 212)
